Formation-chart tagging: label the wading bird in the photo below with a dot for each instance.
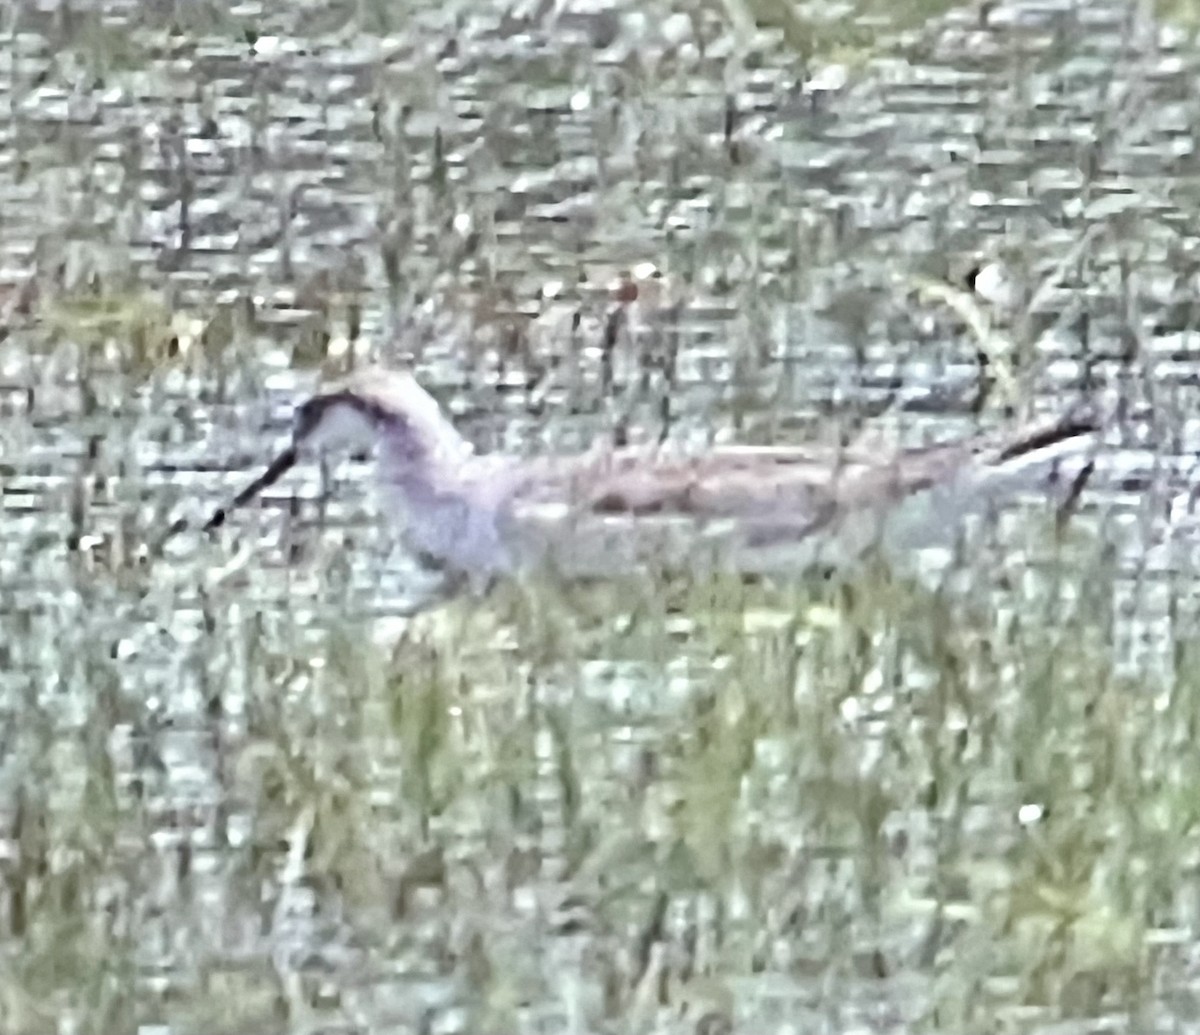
(753, 510)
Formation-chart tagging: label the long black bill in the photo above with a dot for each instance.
(279, 467)
(283, 463)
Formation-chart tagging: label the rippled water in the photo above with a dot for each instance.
(243, 789)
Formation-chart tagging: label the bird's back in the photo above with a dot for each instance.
(761, 507)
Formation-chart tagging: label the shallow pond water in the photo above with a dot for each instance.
(256, 785)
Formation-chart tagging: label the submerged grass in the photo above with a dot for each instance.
(705, 784)
(839, 806)
(847, 33)
(976, 781)
(136, 330)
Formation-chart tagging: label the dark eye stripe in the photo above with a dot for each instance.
(314, 409)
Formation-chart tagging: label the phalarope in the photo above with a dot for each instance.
(754, 510)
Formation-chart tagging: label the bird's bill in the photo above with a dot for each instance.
(283, 463)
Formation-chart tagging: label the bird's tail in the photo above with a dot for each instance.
(1052, 458)
(1053, 461)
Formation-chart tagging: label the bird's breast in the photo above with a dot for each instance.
(449, 528)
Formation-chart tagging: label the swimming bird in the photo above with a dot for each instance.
(608, 511)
